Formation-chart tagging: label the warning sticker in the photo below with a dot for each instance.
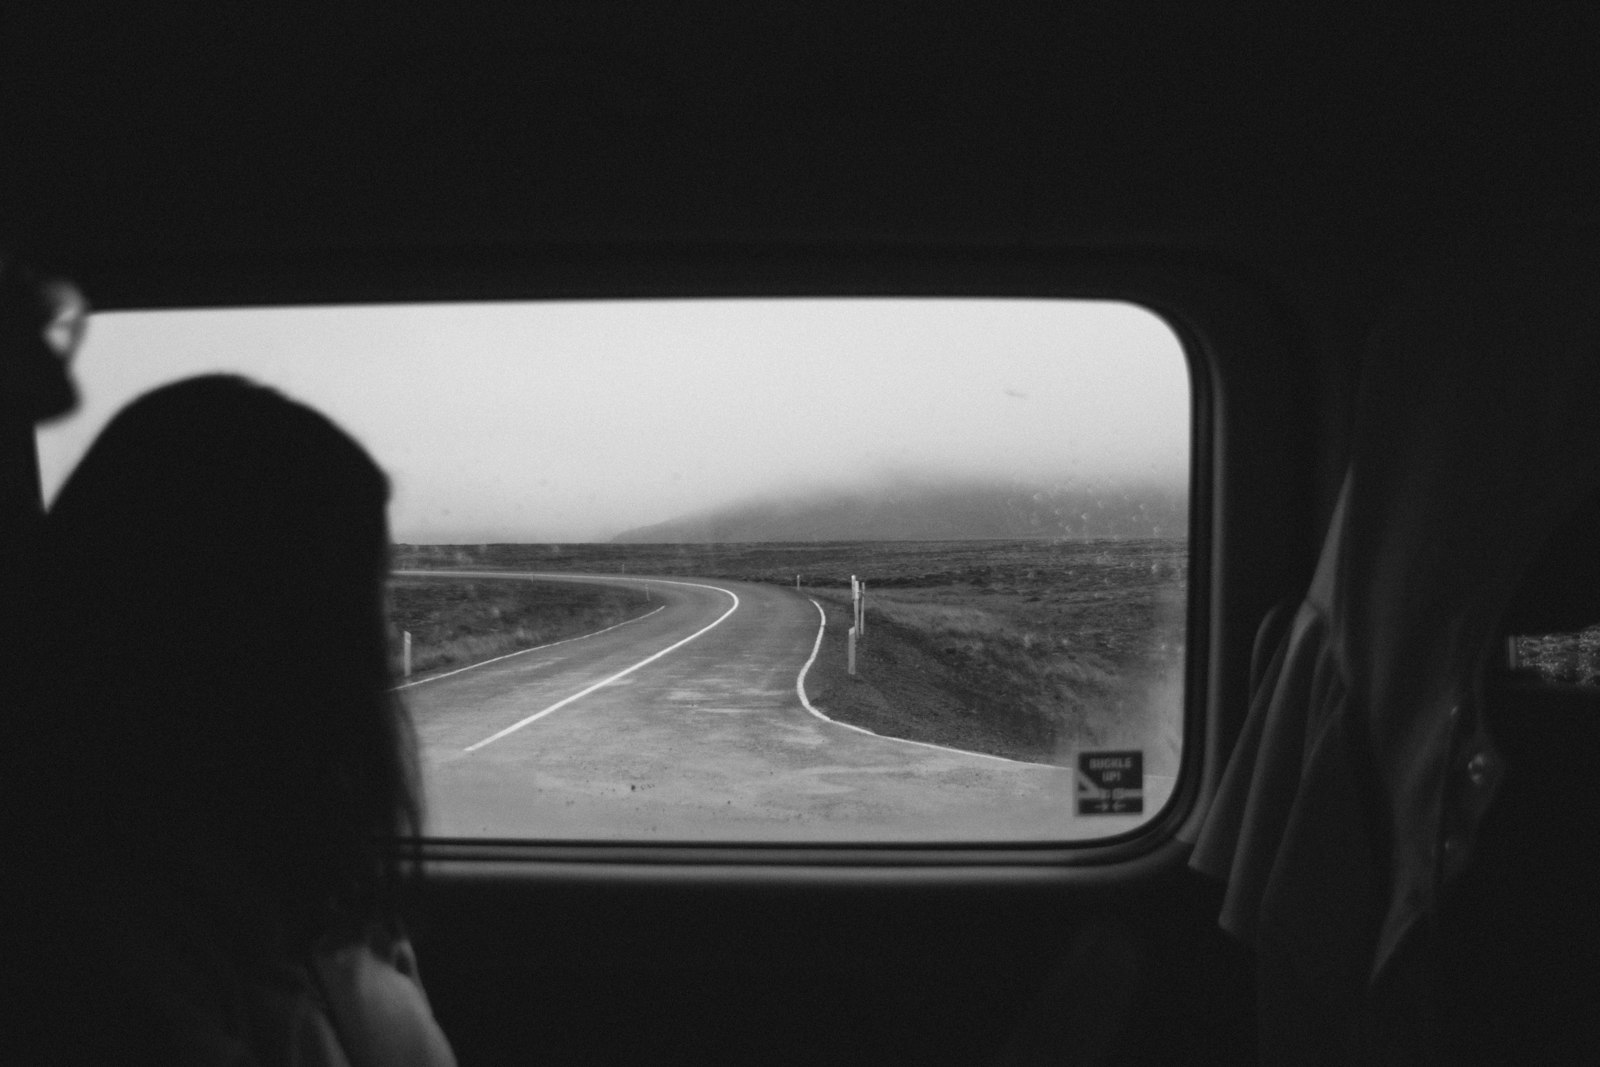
(1110, 783)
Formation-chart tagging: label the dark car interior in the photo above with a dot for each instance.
(1271, 179)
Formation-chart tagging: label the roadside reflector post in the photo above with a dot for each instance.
(797, 583)
(852, 657)
(861, 614)
(405, 654)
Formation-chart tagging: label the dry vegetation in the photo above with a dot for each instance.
(454, 622)
(1047, 652)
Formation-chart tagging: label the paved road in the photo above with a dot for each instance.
(686, 725)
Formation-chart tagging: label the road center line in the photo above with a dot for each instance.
(514, 727)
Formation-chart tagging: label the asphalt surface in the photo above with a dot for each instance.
(686, 725)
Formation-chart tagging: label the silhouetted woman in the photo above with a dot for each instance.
(236, 772)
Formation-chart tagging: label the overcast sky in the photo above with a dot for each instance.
(575, 421)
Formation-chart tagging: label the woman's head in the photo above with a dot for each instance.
(221, 553)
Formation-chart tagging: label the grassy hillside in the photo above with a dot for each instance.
(1030, 663)
(456, 622)
(912, 510)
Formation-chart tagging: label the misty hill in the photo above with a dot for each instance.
(933, 513)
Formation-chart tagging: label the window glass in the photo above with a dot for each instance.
(753, 570)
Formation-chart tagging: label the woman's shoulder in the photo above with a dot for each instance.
(200, 990)
(377, 1005)
(289, 1022)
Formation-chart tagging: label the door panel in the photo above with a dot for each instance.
(817, 966)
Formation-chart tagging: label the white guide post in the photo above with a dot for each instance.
(852, 657)
(405, 654)
(855, 601)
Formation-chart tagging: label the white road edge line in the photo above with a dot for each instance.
(524, 651)
(514, 727)
(800, 691)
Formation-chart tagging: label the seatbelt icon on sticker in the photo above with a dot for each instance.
(1110, 783)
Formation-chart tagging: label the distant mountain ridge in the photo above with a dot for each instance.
(933, 513)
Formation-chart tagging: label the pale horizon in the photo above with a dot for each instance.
(576, 421)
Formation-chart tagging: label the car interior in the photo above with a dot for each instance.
(1368, 226)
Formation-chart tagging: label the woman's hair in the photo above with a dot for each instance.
(219, 565)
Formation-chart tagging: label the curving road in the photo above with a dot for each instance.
(686, 724)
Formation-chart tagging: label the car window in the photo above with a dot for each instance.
(753, 570)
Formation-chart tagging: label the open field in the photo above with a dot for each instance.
(984, 564)
(1030, 662)
(457, 622)
(1024, 649)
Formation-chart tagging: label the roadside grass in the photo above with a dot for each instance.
(455, 622)
(921, 685)
(1023, 674)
